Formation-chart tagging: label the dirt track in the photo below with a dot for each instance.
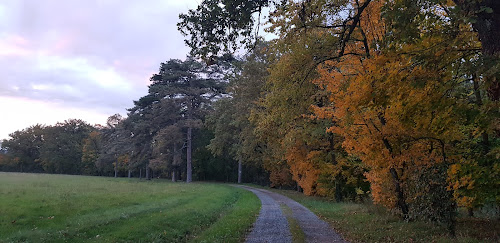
(272, 225)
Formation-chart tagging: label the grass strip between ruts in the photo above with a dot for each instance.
(298, 235)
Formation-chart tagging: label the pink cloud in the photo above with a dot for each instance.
(15, 45)
(63, 44)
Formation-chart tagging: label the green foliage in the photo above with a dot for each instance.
(90, 153)
(61, 151)
(220, 26)
(53, 149)
(190, 86)
(233, 132)
(429, 197)
(24, 148)
(208, 166)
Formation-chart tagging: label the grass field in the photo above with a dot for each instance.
(40, 207)
(370, 223)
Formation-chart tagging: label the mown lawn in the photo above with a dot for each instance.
(370, 223)
(41, 208)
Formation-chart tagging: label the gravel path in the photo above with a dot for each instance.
(272, 226)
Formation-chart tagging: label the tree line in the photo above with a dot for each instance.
(395, 100)
(154, 140)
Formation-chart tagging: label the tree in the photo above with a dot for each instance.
(167, 148)
(369, 53)
(61, 151)
(135, 136)
(7, 163)
(485, 18)
(115, 142)
(478, 94)
(90, 153)
(24, 148)
(191, 86)
(220, 26)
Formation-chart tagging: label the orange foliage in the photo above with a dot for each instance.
(387, 123)
(390, 111)
(304, 171)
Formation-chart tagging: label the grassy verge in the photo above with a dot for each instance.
(371, 223)
(40, 207)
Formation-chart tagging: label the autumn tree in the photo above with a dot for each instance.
(471, 26)
(405, 89)
(289, 92)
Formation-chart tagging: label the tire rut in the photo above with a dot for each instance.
(271, 224)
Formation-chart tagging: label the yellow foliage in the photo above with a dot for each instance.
(392, 110)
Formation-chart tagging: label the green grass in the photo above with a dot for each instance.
(370, 223)
(57, 208)
(298, 235)
(229, 227)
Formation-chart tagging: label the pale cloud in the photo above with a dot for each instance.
(89, 58)
(27, 112)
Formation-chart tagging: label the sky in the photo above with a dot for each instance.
(81, 59)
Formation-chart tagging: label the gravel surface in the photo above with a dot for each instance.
(272, 226)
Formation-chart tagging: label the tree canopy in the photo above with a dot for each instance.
(403, 92)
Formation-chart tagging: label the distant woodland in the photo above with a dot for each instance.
(397, 102)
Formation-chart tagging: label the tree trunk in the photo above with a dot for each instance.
(479, 102)
(129, 173)
(239, 170)
(470, 212)
(486, 16)
(140, 173)
(189, 172)
(148, 176)
(486, 22)
(176, 161)
(189, 169)
(401, 202)
(338, 189)
(116, 172)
